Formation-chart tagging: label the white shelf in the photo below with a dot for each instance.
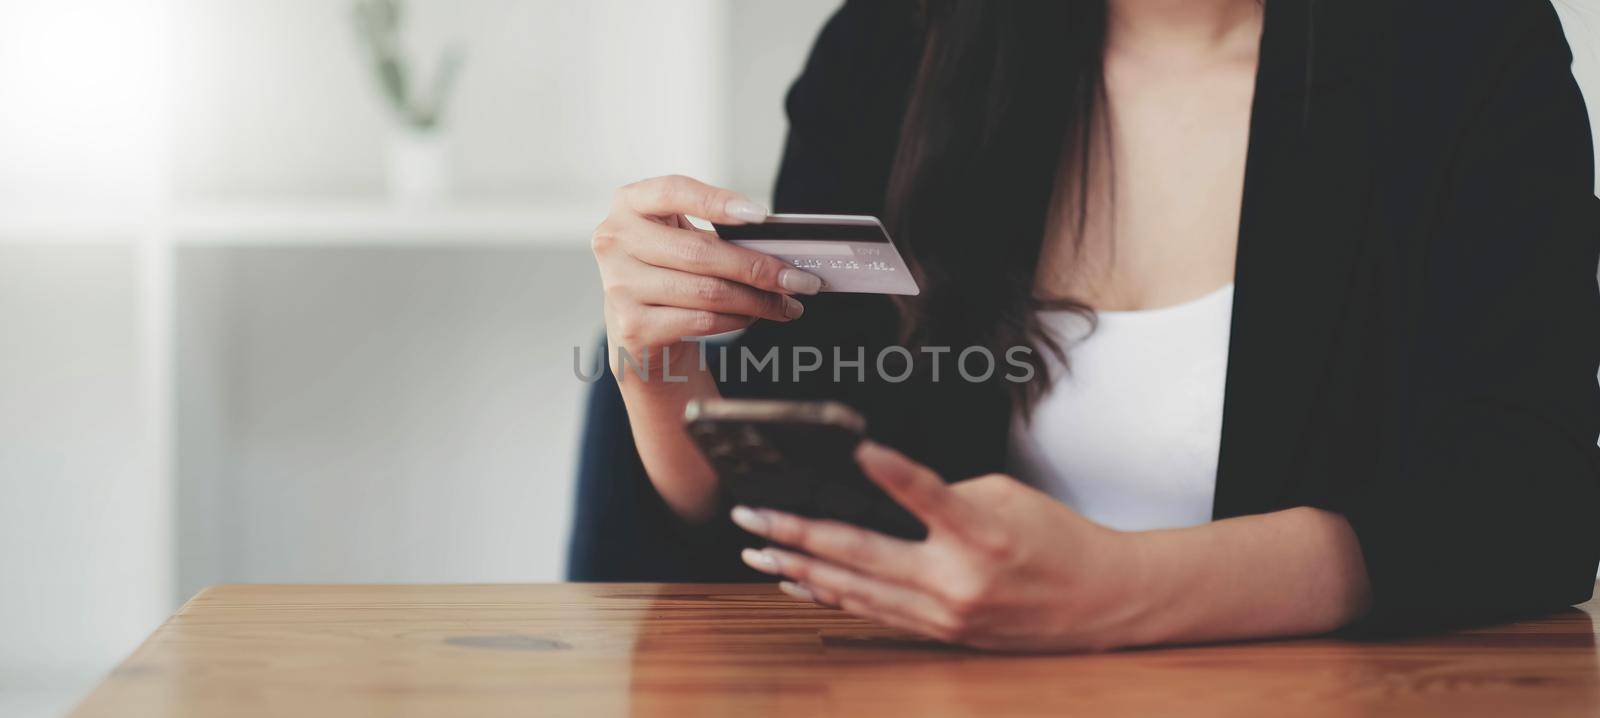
(566, 224)
(317, 223)
(66, 224)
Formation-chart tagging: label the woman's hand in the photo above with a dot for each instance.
(1004, 566)
(666, 280)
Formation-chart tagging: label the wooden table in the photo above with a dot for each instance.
(682, 649)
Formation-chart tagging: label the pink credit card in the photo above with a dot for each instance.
(851, 253)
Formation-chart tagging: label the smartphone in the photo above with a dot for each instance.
(795, 456)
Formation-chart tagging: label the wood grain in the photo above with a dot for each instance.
(682, 649)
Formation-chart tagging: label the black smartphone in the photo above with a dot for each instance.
(795, 456)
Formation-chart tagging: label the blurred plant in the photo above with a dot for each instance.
(378, 25)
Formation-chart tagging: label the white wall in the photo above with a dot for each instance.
(379, 415)
(276, 98)
(375, 414)
(84, 521)
(341, 413)
(85, 505)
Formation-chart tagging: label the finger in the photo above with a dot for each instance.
(677, 323)
(652, 326)
(866, 551)
(670, 287)
(824, 597)
(699, 252)
(809, 593)
(916, 487)
(857, 593)
(909, 624)
(676, 194)
(844, 583)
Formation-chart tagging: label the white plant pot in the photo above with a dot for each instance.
(419, 166)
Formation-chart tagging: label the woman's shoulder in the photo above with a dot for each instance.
(870, 28)
(1470, 38)
(1437, 64)
(1463, 35)
(846, 107)
(866, 53)
(1465, 24)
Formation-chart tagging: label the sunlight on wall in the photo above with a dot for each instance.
(85, 87)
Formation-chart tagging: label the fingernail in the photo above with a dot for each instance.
(743, 209)
(796, 590)
(792, 308)
(750, 520)
(794, 280)
(759, 560)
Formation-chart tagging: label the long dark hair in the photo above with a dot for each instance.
(1000, 120)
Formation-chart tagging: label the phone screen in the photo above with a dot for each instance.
(798, 458)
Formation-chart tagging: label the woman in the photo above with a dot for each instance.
(1342, 257)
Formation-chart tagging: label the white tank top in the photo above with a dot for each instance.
(1129, 436)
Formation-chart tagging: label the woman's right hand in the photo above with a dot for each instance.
(666, 280)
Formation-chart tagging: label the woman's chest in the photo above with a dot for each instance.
(1160, 214)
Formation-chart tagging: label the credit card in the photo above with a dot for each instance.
(851, 253)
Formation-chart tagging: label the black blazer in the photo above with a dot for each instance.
(1416, 326)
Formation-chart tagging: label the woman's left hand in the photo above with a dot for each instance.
(1003, 567)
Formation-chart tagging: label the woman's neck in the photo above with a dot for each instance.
(1183, 26)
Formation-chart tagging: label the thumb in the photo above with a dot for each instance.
(914, 486)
